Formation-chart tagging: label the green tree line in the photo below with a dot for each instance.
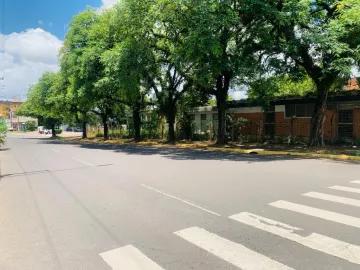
(176, 50)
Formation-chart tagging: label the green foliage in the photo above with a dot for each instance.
(3, 127)
(30, 125)
(45, 100)
(3, 131)
(235, 126)
(58, 131)
(264, 90)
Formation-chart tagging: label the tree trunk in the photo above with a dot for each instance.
(106, 128)
(221, 138)
(137, 123)
(316, 138)
(84, 131)
(171, 115)
(53, 131)
(171, 134)
(222, 88)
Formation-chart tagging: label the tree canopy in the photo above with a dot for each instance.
(174, 54)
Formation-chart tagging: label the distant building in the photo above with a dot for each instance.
(342, 117)
(352, 85)
(8, 111)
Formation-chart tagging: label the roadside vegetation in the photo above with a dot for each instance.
(161, 57)
(3, 131)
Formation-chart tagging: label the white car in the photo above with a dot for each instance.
(42, 130)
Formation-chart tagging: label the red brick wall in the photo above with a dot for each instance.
(357, 123)
(327, 125)
(252, 128)
(283, 126)
(302, 125)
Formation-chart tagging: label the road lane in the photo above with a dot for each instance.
(90, 210)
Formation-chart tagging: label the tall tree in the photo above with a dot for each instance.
(317, 36)
(124, 66)
(217, 42)
(154, 26)
(105, 91)
(75, 68)
(45, 100)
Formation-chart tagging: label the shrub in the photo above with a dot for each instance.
(30, 125)
(58, 131)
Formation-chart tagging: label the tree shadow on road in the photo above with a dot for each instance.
(176, 153)
(182, 153)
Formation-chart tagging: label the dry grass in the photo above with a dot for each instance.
(337, 153)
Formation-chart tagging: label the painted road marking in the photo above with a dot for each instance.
(229, 251)
(83, 162)
(348, 189)
(314, 241)
(55, 150)
(319, 213)
(356, 182)
(128, 258)
(181, 200)
(332, 198)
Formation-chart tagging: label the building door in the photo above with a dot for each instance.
(270, 122)
(346, 124)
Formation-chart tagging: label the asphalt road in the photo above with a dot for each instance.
(96, 207)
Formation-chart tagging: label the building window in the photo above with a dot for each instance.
(203, 123)
(192, 117)
(299, 110)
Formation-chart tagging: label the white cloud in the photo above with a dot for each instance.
(109, 3)
(24, 59)
(40, 22)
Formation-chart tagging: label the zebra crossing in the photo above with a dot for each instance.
(130, 258)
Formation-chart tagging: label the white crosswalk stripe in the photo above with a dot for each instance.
(332, 198)
(348, 189)
(356, 182)
(128, 258)
(229, 251)
(319, 213)
(315, 241)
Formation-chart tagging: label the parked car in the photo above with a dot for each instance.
(47, 131)
(41, 129)
(10, 129)
(69, 129)
(77, 129)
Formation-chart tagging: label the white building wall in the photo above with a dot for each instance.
(280, 108)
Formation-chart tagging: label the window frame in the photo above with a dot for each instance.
(306, 109)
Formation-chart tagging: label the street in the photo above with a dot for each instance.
(71, 206)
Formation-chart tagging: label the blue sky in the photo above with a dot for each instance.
(50, 15)
(31, 34)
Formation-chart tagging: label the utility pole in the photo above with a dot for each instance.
(2, 44)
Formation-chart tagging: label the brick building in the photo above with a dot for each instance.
(342, 117)
(352, 85)
(8, 111)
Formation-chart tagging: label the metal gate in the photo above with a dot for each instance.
(270, 122)
(346, 124)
